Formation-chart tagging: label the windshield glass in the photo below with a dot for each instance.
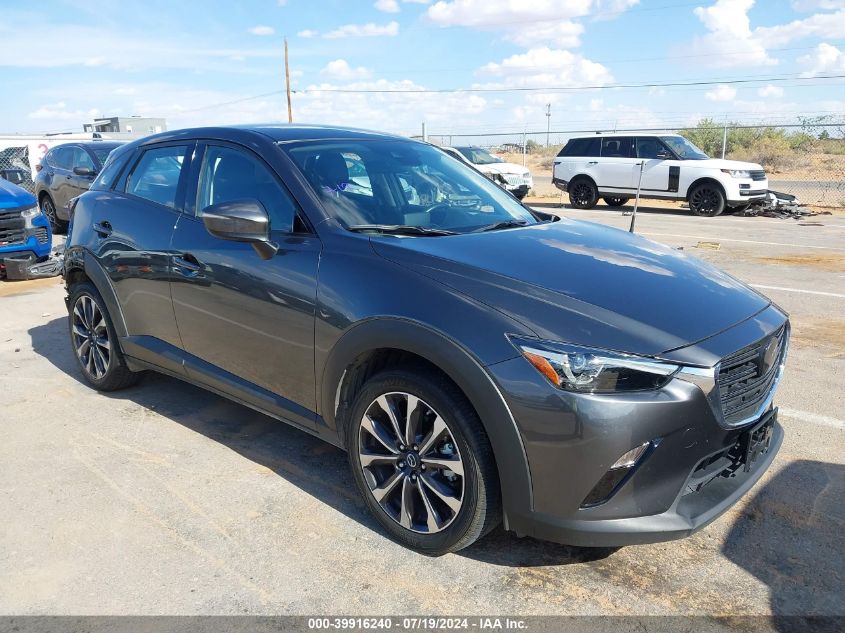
(102, 153)
(683, 148)
(478, 156)
(402, 183)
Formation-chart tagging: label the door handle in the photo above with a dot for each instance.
(103, 229)
(188, 263)
(593, 162)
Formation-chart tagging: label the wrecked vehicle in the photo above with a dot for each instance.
(25, 236)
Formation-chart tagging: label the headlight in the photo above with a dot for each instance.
(737, 173)
(29, 214)
(589, 370)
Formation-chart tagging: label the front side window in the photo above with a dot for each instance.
(478, 156)
(156, 176)
(683, 148)
(102, 153)
(650, 148)
(407, 184)
(617, 147)
(81, 158)
(229, 174)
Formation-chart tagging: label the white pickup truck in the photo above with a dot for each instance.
(608, 166)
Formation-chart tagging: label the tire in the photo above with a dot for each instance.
(94, 342)
(707, 200)
(48, 208)
(446, 511)
(583, 193)
(615, 201)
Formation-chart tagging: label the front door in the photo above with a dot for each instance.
(248, 322)
(661, 169)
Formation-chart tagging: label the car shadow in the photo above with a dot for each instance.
(790, 537)
(314, 466)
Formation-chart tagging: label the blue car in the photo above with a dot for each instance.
(24, 230)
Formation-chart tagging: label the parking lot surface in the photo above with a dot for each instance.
(166, 499)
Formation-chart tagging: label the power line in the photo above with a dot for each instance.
(563, 88)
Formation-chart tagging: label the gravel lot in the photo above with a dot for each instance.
(165, 499)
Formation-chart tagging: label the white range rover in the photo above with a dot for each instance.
(607, 166)
(515, 178)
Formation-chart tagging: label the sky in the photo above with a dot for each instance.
(460, 66)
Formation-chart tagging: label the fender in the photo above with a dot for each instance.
(463, 368)
(80, 259)
(698, 181)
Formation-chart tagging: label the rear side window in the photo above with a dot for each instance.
(108, 176)
(156, 176)
(617, 147)
(229, 174)
(62, 157)
(581, 147)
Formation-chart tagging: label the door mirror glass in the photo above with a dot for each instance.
(242, 220)
(83, 171)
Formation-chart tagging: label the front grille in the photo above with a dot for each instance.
(758, 174)
(12, 228)
(746, 379)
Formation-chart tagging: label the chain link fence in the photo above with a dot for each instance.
(806, 160)
(15, 166)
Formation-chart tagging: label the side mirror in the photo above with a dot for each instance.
(83, 171)
(243, 220)
(14, 176)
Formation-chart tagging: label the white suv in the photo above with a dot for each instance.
(515, 178)
(608, 166)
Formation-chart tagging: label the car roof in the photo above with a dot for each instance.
(625, 134)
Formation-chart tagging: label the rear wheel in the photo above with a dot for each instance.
(583, 193)
(94, 341)
(615, 201)
(422, 461)
(48, 208)
(707, 200)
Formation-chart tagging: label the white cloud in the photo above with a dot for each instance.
(547, 67)
(729, 29)
(388, 6)
(770, 91)
(341, 70)
(811, 5)
(364, 30)
(527, 23)
(308, 33)
(825, 58)
(721, 92)
(59, 112)
(821, 25)
(262, 30)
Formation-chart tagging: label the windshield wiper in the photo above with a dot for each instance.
(399, 229)
(506, 224)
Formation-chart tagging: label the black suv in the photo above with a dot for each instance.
(478, 360)
(65, 172)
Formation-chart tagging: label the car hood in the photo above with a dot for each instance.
(584, 283)
(13, 197)
(721, 163)
(502, 168)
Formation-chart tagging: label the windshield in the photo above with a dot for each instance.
(402, 183)
(478, 156)
(683, 148)
(102, 153)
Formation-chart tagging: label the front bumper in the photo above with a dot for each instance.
(685, 481)
(744, 190)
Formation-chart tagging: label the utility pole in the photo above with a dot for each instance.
(548, 121)
(725, 138)
(424, 133)
(287, 83)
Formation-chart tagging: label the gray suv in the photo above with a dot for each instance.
(480, 361)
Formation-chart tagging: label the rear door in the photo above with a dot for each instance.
(661, 170)
(249, 321)
(133, 227)
(615, 172)
(578, 156)
(62, 174)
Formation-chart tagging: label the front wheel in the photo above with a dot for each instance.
(48, 208)
(615, 201)
(422, 461)
(583, 193)
(707, 200)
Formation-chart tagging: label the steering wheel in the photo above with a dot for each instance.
(440, 208)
